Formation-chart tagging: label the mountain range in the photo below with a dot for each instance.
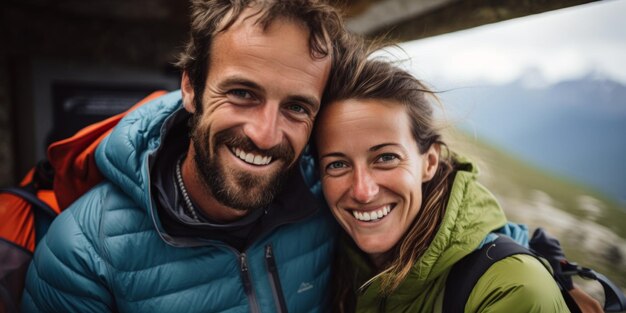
(574, 129)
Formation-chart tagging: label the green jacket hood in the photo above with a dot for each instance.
(471, 214)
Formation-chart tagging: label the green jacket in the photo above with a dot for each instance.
(518, 283)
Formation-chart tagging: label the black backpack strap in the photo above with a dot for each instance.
(43, 213)
(466, 273)
(31, 198)
(614, 299)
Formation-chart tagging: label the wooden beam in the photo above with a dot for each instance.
(459, 15)
(383, 14)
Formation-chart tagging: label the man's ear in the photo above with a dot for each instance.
(188, 93)
(430, 162)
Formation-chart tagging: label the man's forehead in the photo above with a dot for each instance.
(252, 17)
(282, 38)
(253, 20)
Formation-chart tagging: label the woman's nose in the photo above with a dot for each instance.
(364, 187)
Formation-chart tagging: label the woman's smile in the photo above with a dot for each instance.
(372, 215)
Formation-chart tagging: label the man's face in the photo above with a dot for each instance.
(262, 94)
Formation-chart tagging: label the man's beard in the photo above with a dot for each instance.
(237, 189)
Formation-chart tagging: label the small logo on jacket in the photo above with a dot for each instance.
(304, 287)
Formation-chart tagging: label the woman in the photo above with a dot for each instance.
(411, 209)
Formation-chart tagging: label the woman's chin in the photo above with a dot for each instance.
(373, 247)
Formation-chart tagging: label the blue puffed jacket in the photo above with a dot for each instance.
(108, 252)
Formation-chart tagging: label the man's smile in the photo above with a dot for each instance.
(251, 158)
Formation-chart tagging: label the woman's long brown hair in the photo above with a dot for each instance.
(360, 78)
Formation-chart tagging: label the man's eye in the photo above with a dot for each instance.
(296, 108)
(240, 93)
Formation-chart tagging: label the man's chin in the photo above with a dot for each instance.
(245, 201)
(246, 192)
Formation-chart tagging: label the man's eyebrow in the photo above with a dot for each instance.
(235, 80)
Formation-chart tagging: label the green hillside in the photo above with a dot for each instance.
(590, 226)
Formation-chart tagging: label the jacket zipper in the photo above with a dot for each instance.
(279, 297)
(247, 283)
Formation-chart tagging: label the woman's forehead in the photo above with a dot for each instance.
(361, 121)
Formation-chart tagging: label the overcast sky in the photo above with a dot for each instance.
(554, 46)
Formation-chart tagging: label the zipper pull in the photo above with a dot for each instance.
(268, 252)
(244, 273)
(269, 258)
(244, 264)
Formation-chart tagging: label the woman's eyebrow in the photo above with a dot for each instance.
(382, 145)
(332, 154)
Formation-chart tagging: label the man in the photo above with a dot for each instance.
(191, 217)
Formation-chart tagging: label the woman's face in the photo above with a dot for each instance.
(372, 171)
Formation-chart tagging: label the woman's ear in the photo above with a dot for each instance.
(188, 94)
(430, 161)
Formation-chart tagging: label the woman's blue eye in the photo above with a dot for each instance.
(335, 165)
(387, 157)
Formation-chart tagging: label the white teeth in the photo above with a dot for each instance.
(373, 215)
(252, 158)
(249, 157)
(366, 216)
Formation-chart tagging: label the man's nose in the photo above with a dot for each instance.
(364, 187)
(264, 127)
